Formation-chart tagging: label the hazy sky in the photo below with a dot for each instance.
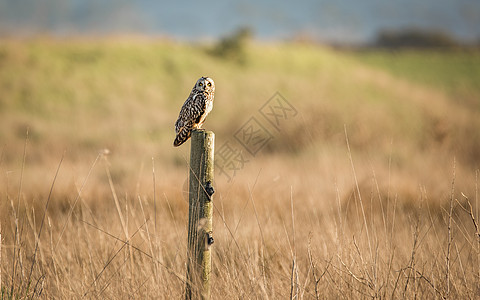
(340, 20)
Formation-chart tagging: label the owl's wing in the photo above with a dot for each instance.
(200, 102)
(191, 112)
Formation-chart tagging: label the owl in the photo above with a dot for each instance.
(194, 110)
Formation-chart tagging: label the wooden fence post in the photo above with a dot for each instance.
(199, 260)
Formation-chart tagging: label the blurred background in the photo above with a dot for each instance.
(360, 120)
(344, 22)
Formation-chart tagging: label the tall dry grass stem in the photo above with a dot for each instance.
(37, 238)
(450, 236)
(294, 286)
(154, 195)
(119, 210)
(16, 240)
(357, 187)
(79, 193)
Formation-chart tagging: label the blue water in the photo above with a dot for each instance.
(334, 21)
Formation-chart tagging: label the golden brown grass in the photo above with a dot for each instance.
(366, 193)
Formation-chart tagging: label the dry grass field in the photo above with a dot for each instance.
(367, 187)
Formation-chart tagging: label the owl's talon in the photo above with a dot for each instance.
(209, 189)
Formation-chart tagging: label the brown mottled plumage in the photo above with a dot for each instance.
(194, 110)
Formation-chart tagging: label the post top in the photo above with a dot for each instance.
(202, 131)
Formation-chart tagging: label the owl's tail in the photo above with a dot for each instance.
(182, 136)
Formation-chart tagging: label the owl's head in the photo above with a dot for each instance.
(205, 84)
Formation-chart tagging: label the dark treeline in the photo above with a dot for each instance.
(417, 38)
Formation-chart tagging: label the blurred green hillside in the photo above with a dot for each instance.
(455, 72)
(82, 96)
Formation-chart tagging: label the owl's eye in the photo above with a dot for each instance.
(209, 84)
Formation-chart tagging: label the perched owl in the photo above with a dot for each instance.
(194, 110)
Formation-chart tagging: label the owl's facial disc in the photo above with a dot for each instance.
(209, 84)
(206, 84)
